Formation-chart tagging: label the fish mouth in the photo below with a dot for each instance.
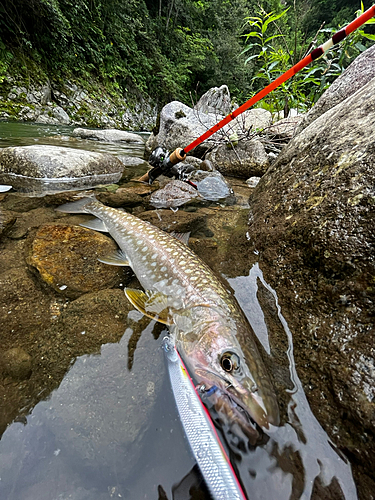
(242, 400)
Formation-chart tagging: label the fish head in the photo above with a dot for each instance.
(236, 372)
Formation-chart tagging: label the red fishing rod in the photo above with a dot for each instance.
(163, 163)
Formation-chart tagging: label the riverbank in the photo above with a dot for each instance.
(70, 102)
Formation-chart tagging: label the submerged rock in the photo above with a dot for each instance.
(122, 197)
(313, 224)
(16, 363)
(7, 219)
(212, 186)
(180, 222)
(174, 194)
(108, 135)
(104, 406)
(40, 170)
(66, 258)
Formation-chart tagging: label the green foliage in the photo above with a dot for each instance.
(273, 51)
(169, 48)
(5, 61)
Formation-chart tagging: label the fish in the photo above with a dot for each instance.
(204, 442)
(4, 188)
(209, 329)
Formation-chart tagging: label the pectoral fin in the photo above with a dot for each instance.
(96, 225)
(151, 304)
(116, 258)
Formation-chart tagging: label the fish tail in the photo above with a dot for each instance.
(76, 207)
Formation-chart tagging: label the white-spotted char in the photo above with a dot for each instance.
(209, 329)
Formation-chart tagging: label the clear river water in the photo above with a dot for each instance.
(111, 429)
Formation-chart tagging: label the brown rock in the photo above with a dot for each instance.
(66, 259)
(16, 363)
(7, 219)
(23, 305)
(122, 197)
(180, 222)
(312, 224)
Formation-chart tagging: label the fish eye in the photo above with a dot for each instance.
(230, 361)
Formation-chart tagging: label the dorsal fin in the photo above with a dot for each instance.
(184, 237)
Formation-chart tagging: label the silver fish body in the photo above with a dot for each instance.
(200, 432)
(209, 329)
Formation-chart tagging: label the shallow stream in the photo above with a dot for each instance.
(111, 429)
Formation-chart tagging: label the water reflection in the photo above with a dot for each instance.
(299, 461)
(26, 134)
(111, 429)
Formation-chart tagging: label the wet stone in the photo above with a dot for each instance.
(66, 258)
(312, 225)
(23, 305)
(108, 135)
(180, 222)
(174, 194)
(16, 363)
(122, 197)
(7, 219)
(134, 162)
(39, 170)
(20, 203)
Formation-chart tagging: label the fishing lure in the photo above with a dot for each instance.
(209, 453)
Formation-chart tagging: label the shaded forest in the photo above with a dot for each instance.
(166, 49)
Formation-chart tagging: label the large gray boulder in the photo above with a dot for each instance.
(216, 101)
(313, 224)
(358, 74)
(53, 115)
(39, 170)
(246, 159)
(180, 125)
(250, 120)
(108, 135)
